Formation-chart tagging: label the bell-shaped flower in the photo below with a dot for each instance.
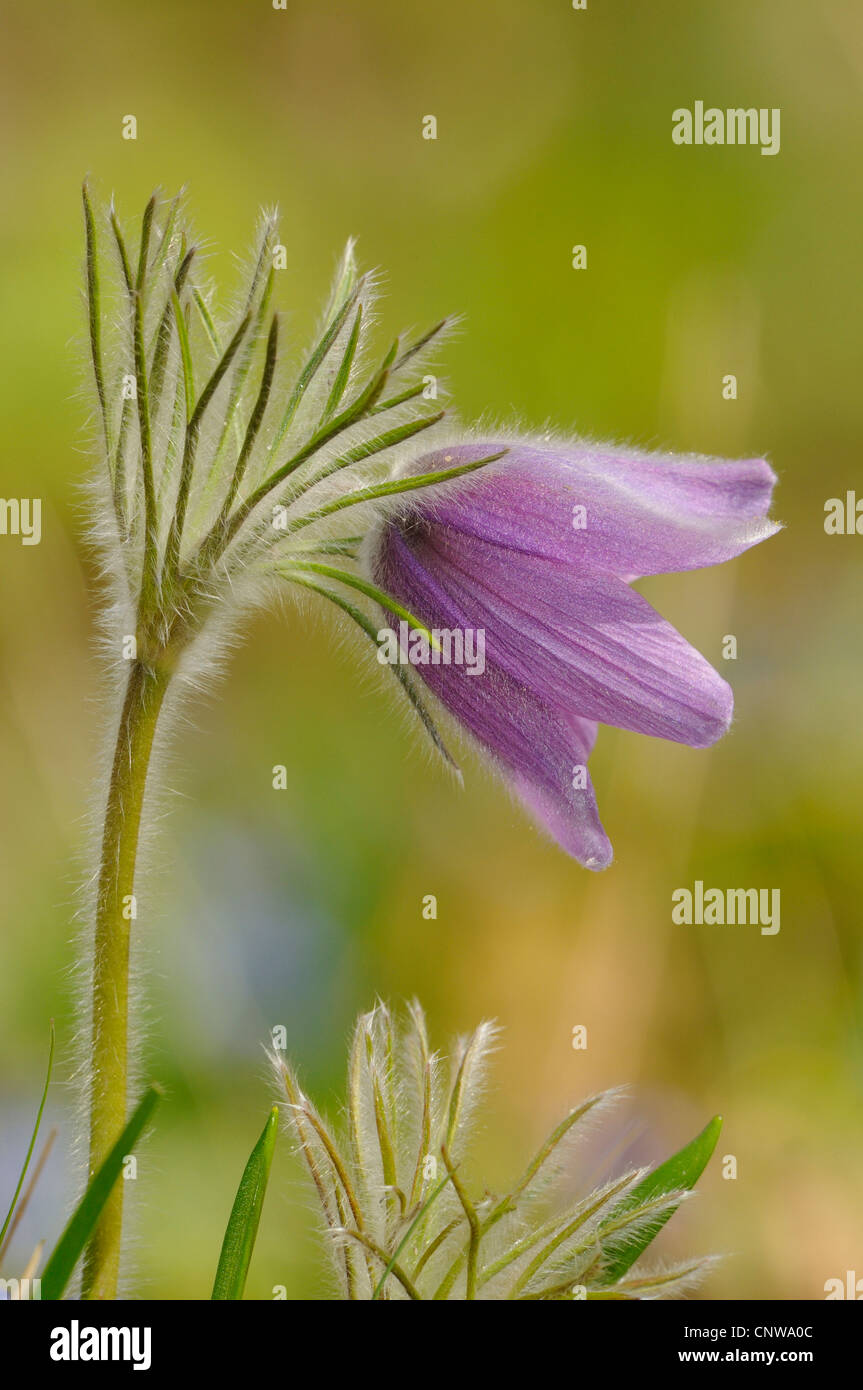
(536, 552)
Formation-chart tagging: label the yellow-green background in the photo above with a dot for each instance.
(299, 907)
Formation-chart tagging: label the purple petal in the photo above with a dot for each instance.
(536, 550)
(541, 750)
(585, 643)
(643, 513)
(568, 813)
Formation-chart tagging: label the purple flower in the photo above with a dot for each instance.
(538, 550)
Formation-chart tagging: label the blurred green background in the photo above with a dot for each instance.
(299, 907)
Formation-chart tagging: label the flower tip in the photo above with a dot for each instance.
(597, 862)
(762, 469)
(577, 830)
(719, 719)
(593, 852)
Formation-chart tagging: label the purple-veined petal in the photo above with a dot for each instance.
(566, 810)
(618, 511)
(541, 750)
(582, 643)
(537, 551)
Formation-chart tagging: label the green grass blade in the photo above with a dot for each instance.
(33, 1138)
(242, 1228)
(678, 1173)
(70, 1246)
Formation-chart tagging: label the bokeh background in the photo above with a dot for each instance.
(300, 907)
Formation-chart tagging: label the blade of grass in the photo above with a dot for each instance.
(24, 1202)
(242, 1228)
(70, 1246)
(678, 1173)
(33, 1139)
(29, 1271)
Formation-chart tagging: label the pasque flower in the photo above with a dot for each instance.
(230, 469)
(224, 469)
(538, 551)
(395, 1192)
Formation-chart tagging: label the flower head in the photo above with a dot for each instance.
(538, 552)
(396, 1199)
(225, 471)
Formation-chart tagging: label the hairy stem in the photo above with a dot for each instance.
(115, 912)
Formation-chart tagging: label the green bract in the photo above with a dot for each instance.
(397, 1203)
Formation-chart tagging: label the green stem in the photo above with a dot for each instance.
(115, 912)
